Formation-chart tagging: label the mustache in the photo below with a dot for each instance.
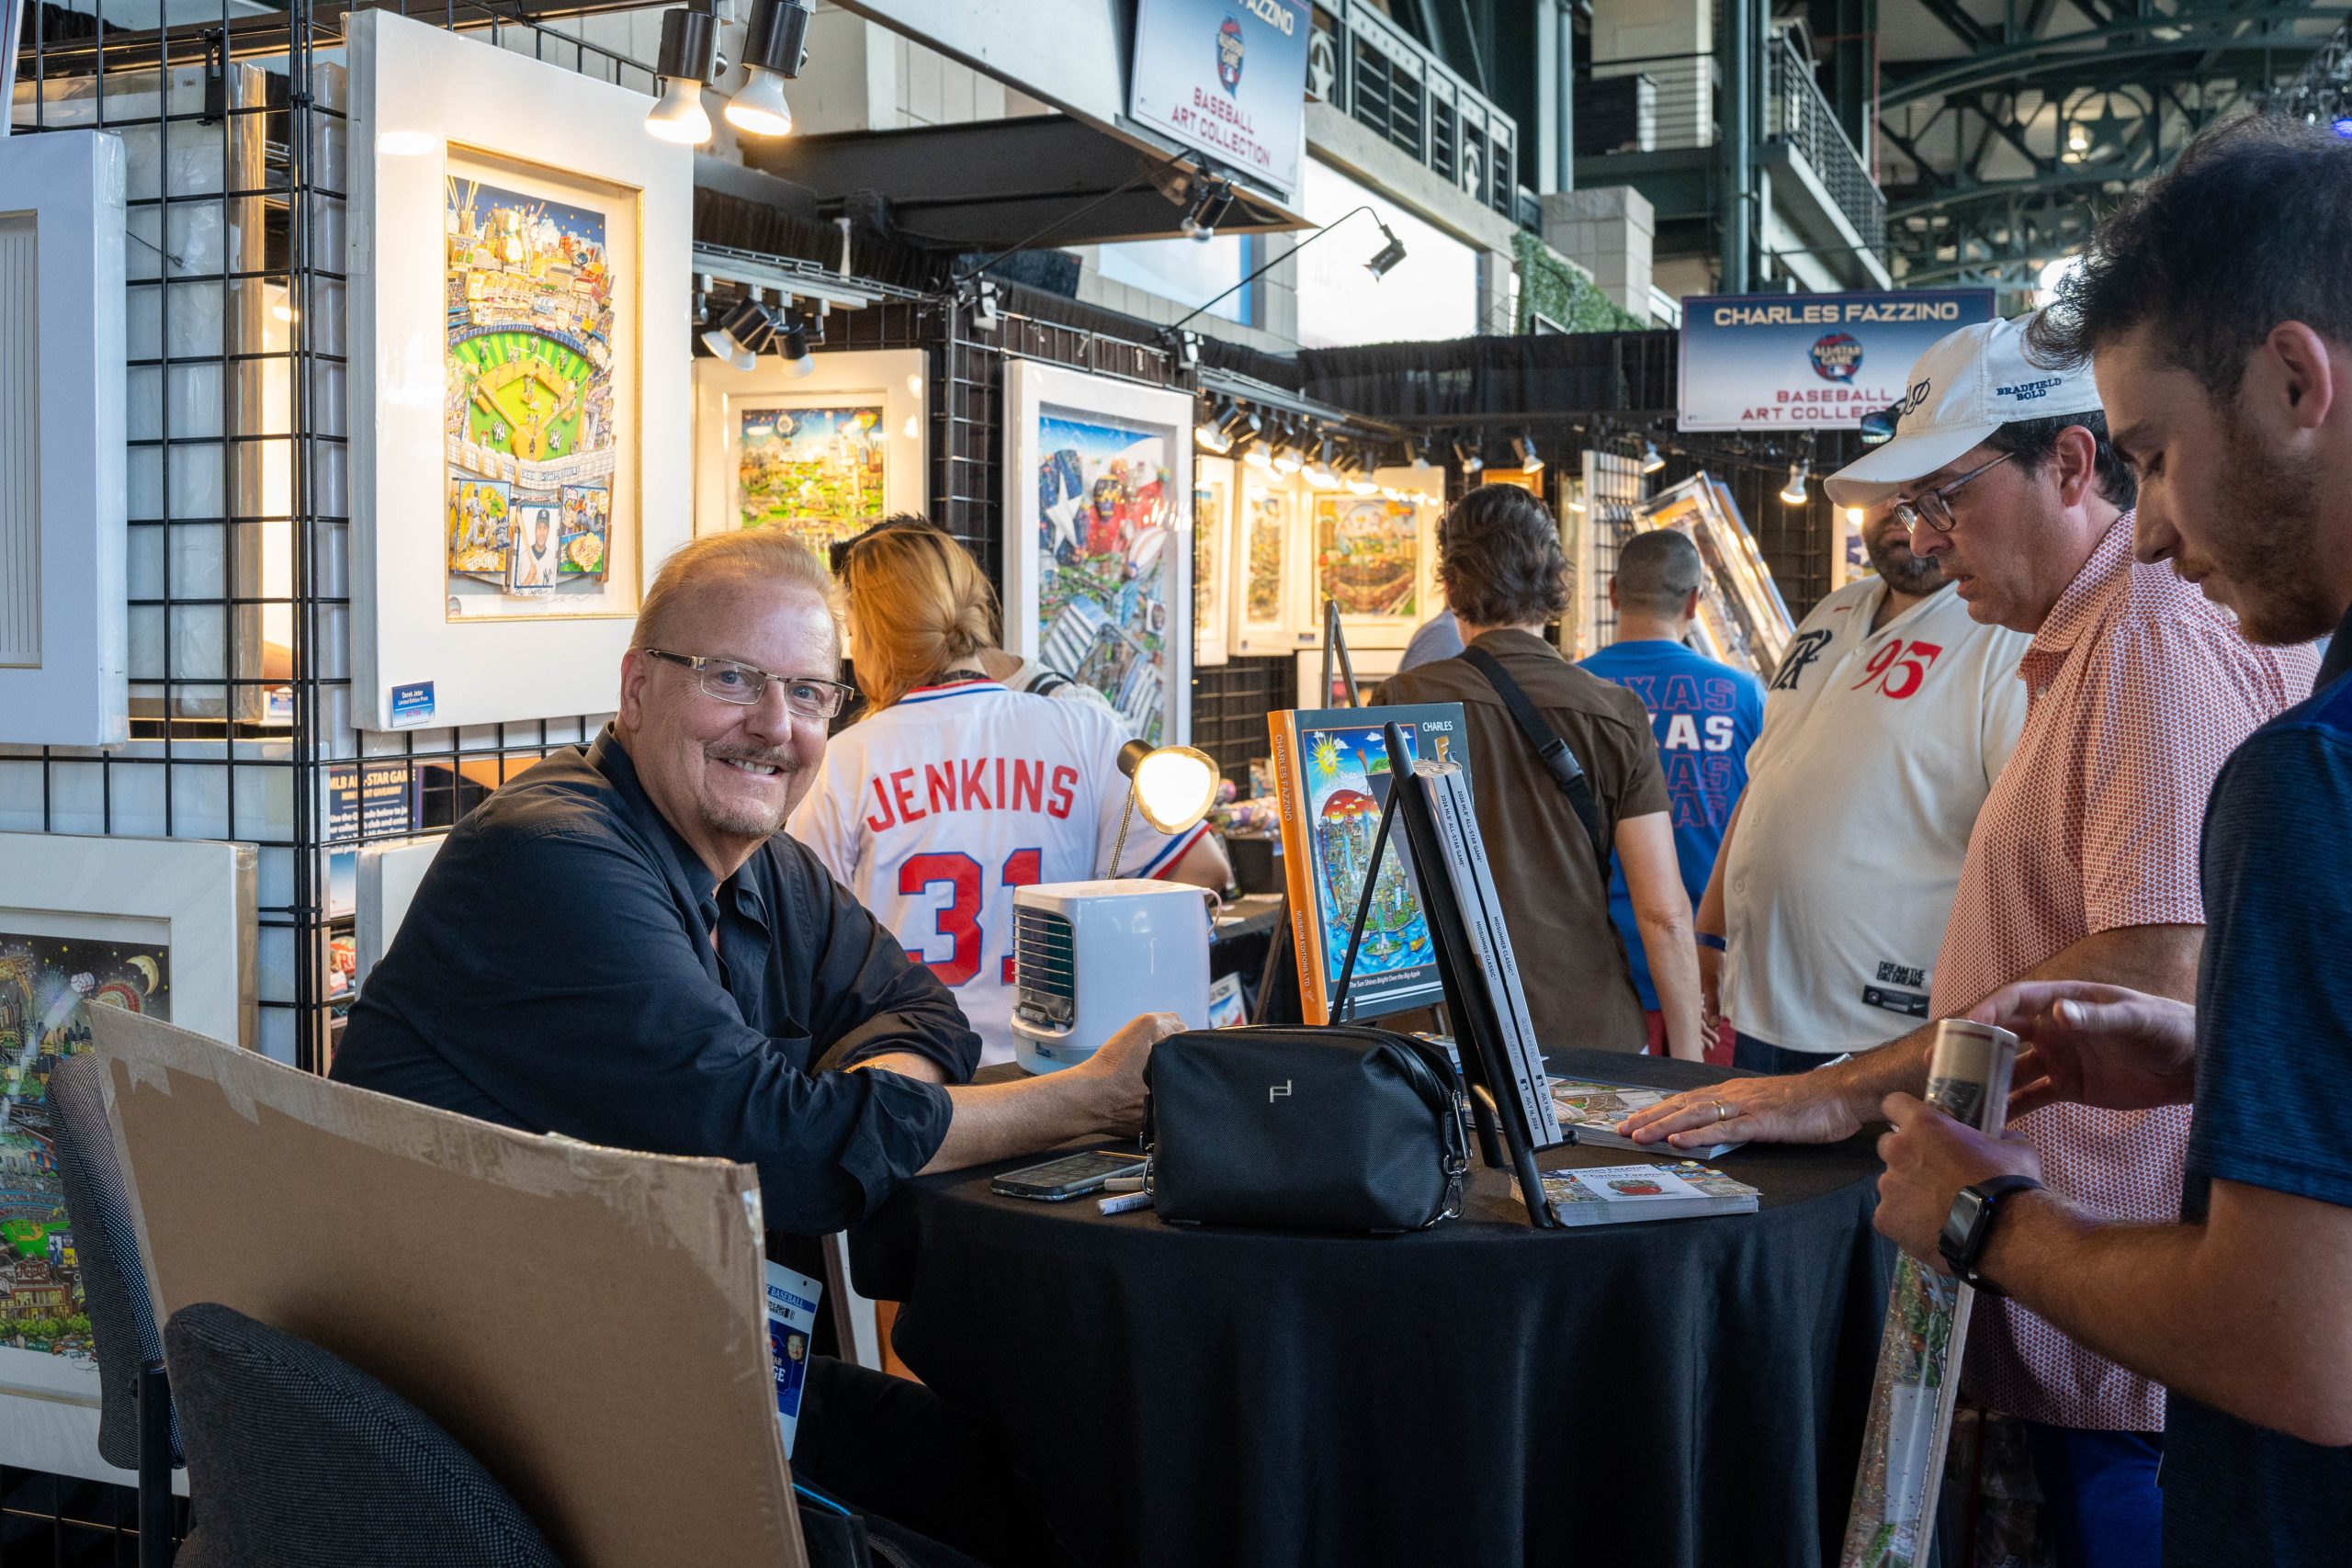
(781, 761)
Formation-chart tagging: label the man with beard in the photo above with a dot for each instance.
(618, 946)
(2082, 864)
(1886, 723)
(2221, 324)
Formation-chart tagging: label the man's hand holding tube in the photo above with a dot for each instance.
(2091, 1044)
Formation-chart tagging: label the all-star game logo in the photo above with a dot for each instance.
(1228, 55)
(1836, 356)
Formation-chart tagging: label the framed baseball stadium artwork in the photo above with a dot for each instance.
(1098, 539)
(518, 383)
(1375, 556)
(157, 926)
(1213, 499)
(823, 456)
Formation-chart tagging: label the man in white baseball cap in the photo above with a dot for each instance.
(2082, 864)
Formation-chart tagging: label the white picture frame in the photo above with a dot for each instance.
(429, 106)
(163, 926)
(1136, 648)
(1421, 504)
(388, 875)
(1272, 508)
(889, 383)
(64, 616)
(1372, 666)
(1214, 484)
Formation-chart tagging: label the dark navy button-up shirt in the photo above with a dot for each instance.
(557, 972)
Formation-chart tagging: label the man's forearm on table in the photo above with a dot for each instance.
(998, 1121)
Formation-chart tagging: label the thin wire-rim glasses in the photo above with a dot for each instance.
(742, 685)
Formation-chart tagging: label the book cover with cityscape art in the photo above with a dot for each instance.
(814, 472)
(1106, 571)
(1331, 773)
(47, 987)
(1368, 555)
(529, 399)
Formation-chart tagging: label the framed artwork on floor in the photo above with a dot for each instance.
(519, 400)
(163, 927)
(64, 625)
(1213, 501)
(1742, 618)
(822, 456)
(1097, 570)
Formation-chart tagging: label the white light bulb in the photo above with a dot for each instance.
(758, 107)
(679, 117)
(1175, 786)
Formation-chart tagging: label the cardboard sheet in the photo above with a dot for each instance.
(588, 1321)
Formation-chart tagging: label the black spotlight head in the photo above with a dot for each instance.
(1388, 255)
(1213, 199)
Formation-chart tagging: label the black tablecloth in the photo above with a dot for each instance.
(1678, 1391)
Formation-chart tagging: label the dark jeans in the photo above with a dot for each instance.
(894, 1451)
(1754, 1056)
(2104, 1506)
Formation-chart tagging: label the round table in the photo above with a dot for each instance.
(1483, 1393)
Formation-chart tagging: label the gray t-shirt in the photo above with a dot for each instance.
(1436, 638)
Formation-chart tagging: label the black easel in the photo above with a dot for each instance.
(1477, 1019)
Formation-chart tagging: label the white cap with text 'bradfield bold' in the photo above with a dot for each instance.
(1961, 390)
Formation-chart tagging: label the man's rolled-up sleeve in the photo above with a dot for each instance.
(595, 1017)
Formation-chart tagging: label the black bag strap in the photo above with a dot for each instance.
(1566, 770)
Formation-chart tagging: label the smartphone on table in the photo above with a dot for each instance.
(1072, 1176)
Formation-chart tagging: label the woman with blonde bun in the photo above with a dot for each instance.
(953, 790)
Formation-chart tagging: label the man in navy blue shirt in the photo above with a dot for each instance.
(2219, 325)
(1706, 715)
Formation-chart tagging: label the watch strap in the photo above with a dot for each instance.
(1990, 1194)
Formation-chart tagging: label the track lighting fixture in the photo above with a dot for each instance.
(1793, 492)
(1530, 459)
(776, 46)
(1212, 200)
(1241, 427)
(1388, 255)
(1470, 453)
(1421, 452)
(794, 344)
(742, 332)
(689, 58)
(1320, 473)
(1290, 450)
(1209, 433)
(1651, 461)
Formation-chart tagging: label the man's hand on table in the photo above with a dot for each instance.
(1929, 1157)
(1793, 1110)
(1115, 1071)
(2091, 1044)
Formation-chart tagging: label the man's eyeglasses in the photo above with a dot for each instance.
(745, 684)
(1933, 510)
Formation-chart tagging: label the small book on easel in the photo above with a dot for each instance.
(1616, 1194)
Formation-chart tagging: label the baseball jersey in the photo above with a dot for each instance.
(1706, 715)
(1878, 749)
(934, 810)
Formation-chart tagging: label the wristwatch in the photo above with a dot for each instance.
(1970, 1225)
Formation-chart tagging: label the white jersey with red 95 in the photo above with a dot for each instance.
(934, 810)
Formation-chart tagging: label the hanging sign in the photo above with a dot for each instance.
(1228, 77)
(1810, 361)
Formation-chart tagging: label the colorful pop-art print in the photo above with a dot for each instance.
(529, 395)
(1265, 532)
(1347, 783)
(1211, 495)
(535, 547)
(47, 987)
(478, 511)
(587, 531)
(814, 472)
(1368, 555)
(1106, 521)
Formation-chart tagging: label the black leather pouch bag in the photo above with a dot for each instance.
(1339, 1128)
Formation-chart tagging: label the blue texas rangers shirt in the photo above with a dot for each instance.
(1706, 715)
(2274, 1097)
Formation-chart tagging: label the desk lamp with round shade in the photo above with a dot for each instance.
(1088, 956)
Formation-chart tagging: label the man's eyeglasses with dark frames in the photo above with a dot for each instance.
(1933, 510)
(745, 684)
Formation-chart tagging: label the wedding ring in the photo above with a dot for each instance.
(1723, 1111)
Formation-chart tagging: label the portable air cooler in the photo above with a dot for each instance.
(1087, 956)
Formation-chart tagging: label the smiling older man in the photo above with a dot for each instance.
(2082, 864)
(618, 945)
